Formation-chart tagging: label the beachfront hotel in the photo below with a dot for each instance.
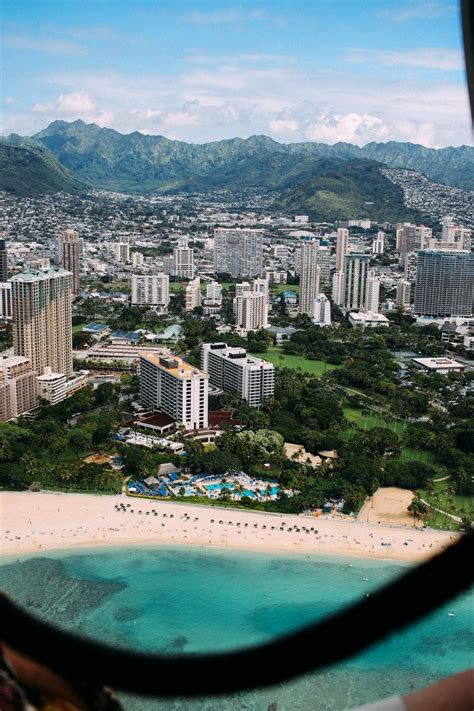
(169, 384)
(234, 370)
(42, 319)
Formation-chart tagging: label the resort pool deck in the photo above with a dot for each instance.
(219, 487)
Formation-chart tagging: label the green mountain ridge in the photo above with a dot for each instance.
(139, 163)
(30, 170)
(352, 189)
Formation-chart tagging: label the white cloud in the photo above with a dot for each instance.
(425, 58)
(78, 102)
(425, 10)
(237, 97)
(8, 100)
(349, 128)
(283, 126)
(52, 45)
(224, 17)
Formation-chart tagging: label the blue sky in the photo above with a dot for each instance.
(297, 70)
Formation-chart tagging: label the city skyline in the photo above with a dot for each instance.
(294, 71)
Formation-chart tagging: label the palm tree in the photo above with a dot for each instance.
(268, 491)
(418, 509)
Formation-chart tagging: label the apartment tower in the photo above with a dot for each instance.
(69, 256)
(238, 252)
(309, 277)
(444, 283)
(42, 319)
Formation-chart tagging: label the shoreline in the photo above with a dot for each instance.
(36, 522)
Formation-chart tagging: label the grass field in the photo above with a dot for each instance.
(367, 420)
(282, 360)
(78, 327)
(278, 288)
(443, 500)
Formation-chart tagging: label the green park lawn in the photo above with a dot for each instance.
(280, 359)
(78, 327)
(443, 500)
(278, 288)
(367, 420)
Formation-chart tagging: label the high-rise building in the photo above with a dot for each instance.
(324, 264)
(355, 281)
(342, 247)
(17, 387)
(321, 315)
(260, 286)
(193, 294)
(372, 294)
(70, 256)
(5, 299)
(455, 234)
(173, 386)
(122, 251)
(378, 245)
(338, 288)
(297, 260)
(444, 284)
(234, 370)
(183, 262)
(310, 276)
(242, 288)
(42, 319)
(409, 263)
(137, 259)
(214, 291)
(403, 293)
(238, 252)
(410, 237)
(251, 311)
(3, 261)
(151, 290)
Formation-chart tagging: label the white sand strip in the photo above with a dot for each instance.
(32, 522)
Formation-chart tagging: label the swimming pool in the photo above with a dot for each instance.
(218, 487)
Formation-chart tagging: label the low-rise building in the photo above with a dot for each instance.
(368, 319)
(443, 366)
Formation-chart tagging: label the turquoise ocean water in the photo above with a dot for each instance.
(191, 599)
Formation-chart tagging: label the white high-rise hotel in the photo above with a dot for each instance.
(234, 370)
(151, 290)
(173, 386)
(238, 252)
(42, 319)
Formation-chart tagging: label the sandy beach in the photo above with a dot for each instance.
(34, 522)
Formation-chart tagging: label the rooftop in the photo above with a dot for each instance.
(438, 363)
(95, 327)
(40, 275)
(174, 365)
